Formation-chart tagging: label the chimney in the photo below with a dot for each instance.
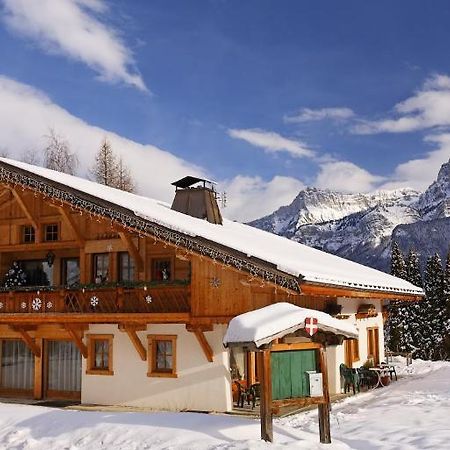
(196, 197)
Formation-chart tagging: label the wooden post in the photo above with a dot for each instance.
(265, 376)
(324, 408)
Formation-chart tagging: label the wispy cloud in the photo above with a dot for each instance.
(77, 30)
(427, 108)
(272, 142)
(310, 115)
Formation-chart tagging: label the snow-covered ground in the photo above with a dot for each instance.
(410, 414)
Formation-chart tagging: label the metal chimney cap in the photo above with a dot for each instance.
(188, 181)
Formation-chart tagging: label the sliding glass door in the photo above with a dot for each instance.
(17, 368)
(63, 370)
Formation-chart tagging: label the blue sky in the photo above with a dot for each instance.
(264, 96)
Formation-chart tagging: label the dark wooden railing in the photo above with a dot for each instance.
(161, 299)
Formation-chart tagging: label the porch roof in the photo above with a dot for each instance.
(293, 259)
(263, 325)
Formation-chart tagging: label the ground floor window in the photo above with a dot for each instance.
(162, 355)
(351, 347)
(373, 345)
(100, 354)
(17, 366)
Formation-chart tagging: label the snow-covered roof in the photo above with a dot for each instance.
(287, 256)
(262, 326)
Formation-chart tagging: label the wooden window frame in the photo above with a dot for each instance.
(27, 230)
(94, 267)
(369, 331)
(170, 258)
(119, 267)
(152, 349)
(58, 231)
(91, 370)
(351, 351)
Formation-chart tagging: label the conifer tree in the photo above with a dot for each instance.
(15, 276)
(446, 340)
(393, 326)
(432, 312)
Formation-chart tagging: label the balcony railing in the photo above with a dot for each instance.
(158, 299)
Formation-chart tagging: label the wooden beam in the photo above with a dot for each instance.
(134, 338)
(38, 371)
(26, 211)
(324, 408)
(29, 341)
(77, 339)
(15, 318)
(265, 376)
(7, 203)
(70, 222)
(132, 249)
(56, 245)
(204, 344)
(335, 291)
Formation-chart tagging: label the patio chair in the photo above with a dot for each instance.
(350, 377)
(391, 370)
(254, 393)
(241, 393)
(367, 378)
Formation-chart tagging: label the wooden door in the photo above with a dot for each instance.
(373, 345)
(62, 370)
(289, 377)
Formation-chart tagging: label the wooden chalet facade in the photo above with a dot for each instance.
(115, 306)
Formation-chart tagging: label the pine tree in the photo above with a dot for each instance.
(57, 155)
(15, 276)
(432, 312)
(124, 180)
(393, 326)
(446, 340)
(410, 311)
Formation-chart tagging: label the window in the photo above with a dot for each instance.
(162, 355)
(161, 269)
(126, 267)
(351, 347)
(51, 232)
(37, 273)
(100, 354)
(101, 268)
(373, 346)
(70, 271)
(28, 234)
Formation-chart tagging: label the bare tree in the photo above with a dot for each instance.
(58, 156)
(124, 180)
(31, 157)
(110, 170)
(4, 153)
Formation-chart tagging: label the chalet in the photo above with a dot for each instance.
(113, 298)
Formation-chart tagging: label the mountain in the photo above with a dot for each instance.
(361, 227)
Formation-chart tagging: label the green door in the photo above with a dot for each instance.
(289, 378)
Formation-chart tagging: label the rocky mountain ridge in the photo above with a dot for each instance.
(361, 227)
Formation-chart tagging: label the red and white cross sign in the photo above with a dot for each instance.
(311, 325)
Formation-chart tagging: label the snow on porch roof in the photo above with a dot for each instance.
(288, 256)
(262, 326)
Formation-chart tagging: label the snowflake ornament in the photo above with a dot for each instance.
(148, 299)
(49, 305)
(36, 304)
(23, 305)
(94, 301)
(1, 305)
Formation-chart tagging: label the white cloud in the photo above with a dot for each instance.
(421, 172)
(344, 176)
(272, 142)
(73, 28)
(428, 108)
(308, 115)
(27, 114)
(250, 198)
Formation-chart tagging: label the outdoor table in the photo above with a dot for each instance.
(380, 373)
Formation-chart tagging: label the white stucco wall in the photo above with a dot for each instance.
(200, 385)
(336, 354)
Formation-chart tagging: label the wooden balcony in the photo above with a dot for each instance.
(99, 301)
